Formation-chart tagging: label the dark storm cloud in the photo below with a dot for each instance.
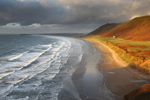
(68, 14)
(27, 13)
(104, 11)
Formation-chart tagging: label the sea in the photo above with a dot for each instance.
(41, 67)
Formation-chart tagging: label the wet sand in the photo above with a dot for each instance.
(87, 78)
(118, 77)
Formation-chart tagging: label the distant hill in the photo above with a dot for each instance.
(135, 29)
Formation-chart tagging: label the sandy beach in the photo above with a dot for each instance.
(87, 79)
(119, 78)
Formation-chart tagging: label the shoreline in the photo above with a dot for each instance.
(87, 79)
(119, 78)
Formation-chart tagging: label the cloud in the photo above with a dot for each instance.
(45, 2)
(27, 13)
(12, 25)
(26, 0)
(40, 29)
(70, 12)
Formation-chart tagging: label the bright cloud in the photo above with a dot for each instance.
(12, 25)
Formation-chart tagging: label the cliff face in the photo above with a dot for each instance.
(135, 29)
(142, 93)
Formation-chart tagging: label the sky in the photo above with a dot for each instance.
(66, 16)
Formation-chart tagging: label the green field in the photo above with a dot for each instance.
(122, 41)
(133, 45)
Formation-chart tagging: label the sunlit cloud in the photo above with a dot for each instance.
(134, 16)
(35, 25)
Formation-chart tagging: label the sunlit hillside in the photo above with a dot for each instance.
(136, 29)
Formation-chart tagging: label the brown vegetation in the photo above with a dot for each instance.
(142, 93)
(136, 29)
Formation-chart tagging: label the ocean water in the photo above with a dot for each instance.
(35, 67)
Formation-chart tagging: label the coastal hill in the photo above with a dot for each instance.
(104, 28)
(131, 42)
(136, 29)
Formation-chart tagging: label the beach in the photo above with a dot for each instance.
(54, 68)
(88, 79)
(119, 78)
(62, 68)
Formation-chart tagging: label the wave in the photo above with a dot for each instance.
(23, 60)
(41, 73)
(26, 68)
(17, 56)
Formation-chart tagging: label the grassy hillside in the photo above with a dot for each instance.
(103, 28)
(136, 29)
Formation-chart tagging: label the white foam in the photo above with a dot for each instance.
(13, 57)
(24, 61)
(26, 98)
(12, 98)
(34, 70)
